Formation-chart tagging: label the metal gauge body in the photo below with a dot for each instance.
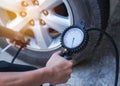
(74, 39)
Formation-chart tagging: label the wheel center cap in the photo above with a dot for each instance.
(33, 12)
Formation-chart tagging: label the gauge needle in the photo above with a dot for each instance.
(73, 41)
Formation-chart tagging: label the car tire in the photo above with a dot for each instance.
(94, 13)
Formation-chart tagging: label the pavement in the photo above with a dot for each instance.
(98, 70)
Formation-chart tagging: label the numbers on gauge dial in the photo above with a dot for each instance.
(73, 38)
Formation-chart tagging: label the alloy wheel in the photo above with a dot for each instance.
(41, 20)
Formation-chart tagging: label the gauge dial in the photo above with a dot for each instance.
(73, 38)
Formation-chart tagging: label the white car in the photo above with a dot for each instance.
(45, 20)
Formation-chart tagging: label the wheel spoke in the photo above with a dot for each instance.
(42, 36)
(3, 17)
(49, 4)
(11, 5)
(18, 23)
(57, 22)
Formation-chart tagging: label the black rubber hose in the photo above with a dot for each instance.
(16, 55)
(116, 52)
(105, 14)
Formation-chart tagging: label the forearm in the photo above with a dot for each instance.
(5, 32)
(31, 78)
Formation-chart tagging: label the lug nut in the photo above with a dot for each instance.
(23, 3)
(23, 14)
(42, 22)
(32, 22)
(35, 2)
(45, 12)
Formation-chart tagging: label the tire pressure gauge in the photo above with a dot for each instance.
(74, 39)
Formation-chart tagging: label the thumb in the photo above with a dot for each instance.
(58, 52)
(73, 62)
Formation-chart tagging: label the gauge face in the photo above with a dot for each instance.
(73, 38)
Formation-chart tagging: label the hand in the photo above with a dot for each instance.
(60, 69)
(17, 40)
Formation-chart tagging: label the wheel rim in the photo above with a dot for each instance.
(42, 20)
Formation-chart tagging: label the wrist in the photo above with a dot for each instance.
(48, 74)
(43, 75)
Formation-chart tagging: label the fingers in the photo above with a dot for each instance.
(73, 62)
(62, 78)
(18, 43)
(61, 67)
(17, 39)
(57, 56)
